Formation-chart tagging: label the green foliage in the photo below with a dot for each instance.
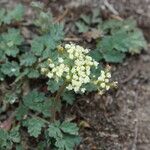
(68, 97)
(8, 138)
(37, 109)
(87, 21)
(53, 85)
(34, 126)
(120, 37)
(37, 101)
(10, 16)
(65, 135)
(32, 110)
(21, 111)
(117, 39)
(27, 59)
(9, 42)
(10, 69)
(3, 138)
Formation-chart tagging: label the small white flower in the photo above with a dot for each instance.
(13, 70)
(67, 46)
(108, 75)
(68, 77)
(73, 70)
(60, 60)
(76, 89)
(66, 69)
(50, 75)
(107, 87)
(43, 70)
(86, 51)
(89, 58)
(103, 85)
(82, 68)
(71, 56)
(95, 63)
(69, 87)
(101, 78)
(88, 72)
(106, 80)
(86, 79)
(51, 65)
(59, 73)
(75, 77)
(54, 70)
(83, 90)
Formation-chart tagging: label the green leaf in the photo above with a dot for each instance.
(70, 128)
(34, 126)
(81, 26)
(95, 16)
(14, 15)
(37, 46)
(10, 41)
(68, 142)
(56, 32)
(37, 101)
(11, 97)
(121, 37)
(54, 130)
(27, 59)
(1, 76)
(69, 97)
(3, 138)
(2, 15)
(137, 41)
(21, 111)
(53, 85)
(33, 73)
(37, 5)
(113, 56)
(10, 69)
(65, 135)
(44, 21)
(19, 147)
(96, 55)
(90, 87)
(86, 19)
(34, 96)
(14, 135)
(12, 37)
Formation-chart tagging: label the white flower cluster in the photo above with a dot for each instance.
(103, 81)
(77, 72)
(80, 72)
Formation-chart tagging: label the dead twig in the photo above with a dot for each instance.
(61, 17)
(110, 7)
(70, 39)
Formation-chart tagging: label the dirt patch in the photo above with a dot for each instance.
(120, 121)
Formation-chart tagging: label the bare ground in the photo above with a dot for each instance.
(120, 121)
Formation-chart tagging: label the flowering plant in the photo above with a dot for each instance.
(75, 67)
(67, 69)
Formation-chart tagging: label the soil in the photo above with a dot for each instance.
(119, 120)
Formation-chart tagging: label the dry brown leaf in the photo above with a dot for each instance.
(90, 35)
(84, 124)
(6, 125)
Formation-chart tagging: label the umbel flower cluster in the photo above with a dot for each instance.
(74, 66)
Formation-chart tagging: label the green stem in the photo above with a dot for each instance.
(58, 100)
